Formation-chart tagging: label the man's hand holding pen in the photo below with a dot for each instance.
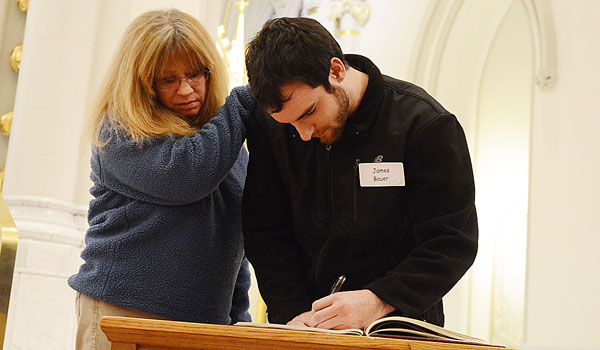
(343, 310)
(351, 309)
(304, 319)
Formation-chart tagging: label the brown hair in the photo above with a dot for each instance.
(289, 50)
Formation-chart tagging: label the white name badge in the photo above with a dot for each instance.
(381, 174)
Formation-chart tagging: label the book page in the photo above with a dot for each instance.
(300, 328)
(413, 326)
(406, 332)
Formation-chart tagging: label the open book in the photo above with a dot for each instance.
(392, 326)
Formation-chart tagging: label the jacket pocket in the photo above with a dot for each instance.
(373, 211)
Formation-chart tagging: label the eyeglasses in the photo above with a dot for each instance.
(194, 79)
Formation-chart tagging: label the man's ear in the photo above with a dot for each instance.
(337, 71)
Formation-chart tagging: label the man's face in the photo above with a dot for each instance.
(314, 112)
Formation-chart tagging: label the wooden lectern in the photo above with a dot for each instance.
(141, 334)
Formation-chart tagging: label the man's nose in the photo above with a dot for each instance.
(305, 130)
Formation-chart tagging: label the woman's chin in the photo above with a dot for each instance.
(190, 114)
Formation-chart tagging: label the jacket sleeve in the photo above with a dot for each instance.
(441, 197)
(175, 171)
(268, 236)
(240, 301)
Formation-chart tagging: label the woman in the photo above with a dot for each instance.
(164, 239)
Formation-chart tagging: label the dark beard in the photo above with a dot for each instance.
(343, 103)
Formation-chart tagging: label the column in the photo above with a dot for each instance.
(44, 161)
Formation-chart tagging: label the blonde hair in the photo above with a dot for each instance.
(127, 100)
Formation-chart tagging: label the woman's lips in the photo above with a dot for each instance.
(188, 105)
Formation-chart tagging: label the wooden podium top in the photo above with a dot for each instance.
(142, 334)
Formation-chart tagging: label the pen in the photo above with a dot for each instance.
(338, 284)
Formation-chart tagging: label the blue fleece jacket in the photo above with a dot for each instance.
(165, 222)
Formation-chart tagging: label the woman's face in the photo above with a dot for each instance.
(183, 89)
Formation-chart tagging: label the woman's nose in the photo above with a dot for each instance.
(184, 87)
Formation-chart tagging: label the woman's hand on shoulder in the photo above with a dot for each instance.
(245, 98)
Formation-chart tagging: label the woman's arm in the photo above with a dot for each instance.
(175, 171)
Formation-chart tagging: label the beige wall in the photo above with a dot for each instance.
(563, 284)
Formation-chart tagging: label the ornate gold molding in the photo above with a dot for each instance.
(348, 32)
(23, 5)
(359, 9)
(232, 51)
(15, 57)
(311, 11)
(6, 123)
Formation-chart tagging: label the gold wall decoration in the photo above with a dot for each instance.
(232, 51)
(23, 5)
(311, 11)
(359, 9)
(6, 123)
(15, 57)
(349, 32)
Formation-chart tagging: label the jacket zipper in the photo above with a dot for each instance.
(331, 221)
(355, 189)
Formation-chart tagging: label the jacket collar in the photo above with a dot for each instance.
(371, 100)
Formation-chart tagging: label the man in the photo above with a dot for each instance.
(351, 173)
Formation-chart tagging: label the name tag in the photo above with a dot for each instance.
(381, 174)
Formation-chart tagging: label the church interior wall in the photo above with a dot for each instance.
(68, 45)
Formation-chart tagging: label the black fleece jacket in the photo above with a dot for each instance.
(307, 220)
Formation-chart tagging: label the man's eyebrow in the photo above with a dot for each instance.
(306, 112)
